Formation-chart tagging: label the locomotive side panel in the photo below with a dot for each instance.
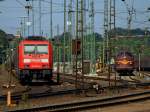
(20, 55)
(50, 55)
(144, 63)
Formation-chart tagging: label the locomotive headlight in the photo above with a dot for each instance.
(44, 60)
(27, 60)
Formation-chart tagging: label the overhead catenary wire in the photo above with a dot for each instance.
(58, 5)
(20, 3)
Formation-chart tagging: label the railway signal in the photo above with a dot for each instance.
(76, 46)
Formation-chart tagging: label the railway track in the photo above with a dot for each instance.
(123, 83)
(146, 74)
(98, 78)
(90, 103)
(134, 79)
(70, 91)
(63, 92)
(40, 95)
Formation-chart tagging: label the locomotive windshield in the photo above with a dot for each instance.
(125, 53)
(42, 49)
(29, 49)
(35, 49)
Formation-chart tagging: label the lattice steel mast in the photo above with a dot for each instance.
(105, 40)
(70, 29)
(40, 33)
(92, 38)
(79, 36)
(131, 12)
(51, 18)
(64, 40)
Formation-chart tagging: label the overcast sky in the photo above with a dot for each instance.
(12, 10)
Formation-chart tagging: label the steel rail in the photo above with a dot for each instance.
(97, 102)
(46, 94)
(40, 95)
(99, 78)
(70, 91)
(126, 82)
(146, 74)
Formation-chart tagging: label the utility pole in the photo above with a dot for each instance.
(58, 55)
(70, 29)
(131, 12)
(79, 37)
(75, 67)
(105, 40)
(85, 29)
(23, 25)
(111, 35)
(40, 33)
(64, 43)
(33, 17)
(112, 15)
(28, 7)
(51, 18)
(82, 43)
(109, 25)
(92, 39)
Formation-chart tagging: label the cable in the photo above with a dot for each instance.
(20, 3)
(134, 21)
(60, 4)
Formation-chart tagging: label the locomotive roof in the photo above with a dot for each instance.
(35, 42)
(125, 53)
(35, 38)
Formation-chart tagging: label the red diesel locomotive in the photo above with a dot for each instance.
(124, 63)
(34, 60)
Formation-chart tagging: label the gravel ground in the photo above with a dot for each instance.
(26, 103)
(130, 107)
(68, 98)
(5, 78)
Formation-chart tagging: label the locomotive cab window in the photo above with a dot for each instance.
(42, 49)
(29, 49)
(36, 49)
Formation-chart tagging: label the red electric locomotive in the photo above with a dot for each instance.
(34, 59)
(124, 63)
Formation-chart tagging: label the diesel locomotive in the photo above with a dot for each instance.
(125, 63)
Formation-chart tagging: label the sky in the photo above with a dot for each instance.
(11, 12)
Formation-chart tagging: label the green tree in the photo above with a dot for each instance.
(3, 45)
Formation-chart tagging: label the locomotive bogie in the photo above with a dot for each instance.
(29, 75)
